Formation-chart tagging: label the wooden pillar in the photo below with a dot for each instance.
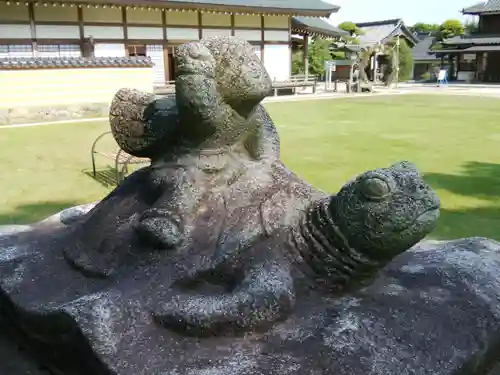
(306, 55)
(262, 38)
(166, 65)
(450, 67)
(85, 48)
(125, 25)
(375, 67)
(34, 43)
(200, 25)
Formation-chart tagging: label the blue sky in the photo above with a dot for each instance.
(429, 11)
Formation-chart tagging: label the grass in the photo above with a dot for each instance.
(454, 140)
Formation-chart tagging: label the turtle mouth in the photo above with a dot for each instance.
(424, 219)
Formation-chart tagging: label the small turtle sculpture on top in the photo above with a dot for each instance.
(200, 141)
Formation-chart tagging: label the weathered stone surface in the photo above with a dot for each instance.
(434, 310)
(6, 230)
(14, 361)
(217, 259)
(69, 215)
(65, 217)
(336, 243)
(55, 304)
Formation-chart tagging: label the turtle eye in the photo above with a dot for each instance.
(375, 188)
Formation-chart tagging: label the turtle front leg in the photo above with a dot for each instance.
(265, 295)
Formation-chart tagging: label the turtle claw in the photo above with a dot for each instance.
(160, 228)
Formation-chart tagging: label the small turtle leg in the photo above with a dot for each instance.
(265, 295)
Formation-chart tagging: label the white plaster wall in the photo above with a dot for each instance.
(276, 35)
(208, 33)
(104, 32)
(57, 32)
(145, 32)
(15, 32)
(277, 60)
(249, 35)
(179, 33)
(109, 50)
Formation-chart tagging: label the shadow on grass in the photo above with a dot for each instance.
(106, 177)
(33, 212)
(478, 180)
(474, 222)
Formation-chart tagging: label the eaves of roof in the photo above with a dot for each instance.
(316, 26)
(313, 8)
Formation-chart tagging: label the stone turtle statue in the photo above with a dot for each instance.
(337, 241)
(432, 310)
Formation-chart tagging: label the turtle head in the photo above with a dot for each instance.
(141, 124)
(385, 211)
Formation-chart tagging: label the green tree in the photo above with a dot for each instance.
(421, 27)
(298, 62)
(401, 55)
(405, 60)
(319, 52)
(451, 28)
(353, 30)
(471, 27)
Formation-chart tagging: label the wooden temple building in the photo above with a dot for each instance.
(476, 57)
(56, 53)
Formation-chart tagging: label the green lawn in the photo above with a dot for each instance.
(455, 141)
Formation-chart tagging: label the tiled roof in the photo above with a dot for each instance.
(474, 39)
(317, 25)
(422, 51)
(483, 7)
(483, 48)
(383, 31)
(488, 48)
(315, 8)
(74, 62)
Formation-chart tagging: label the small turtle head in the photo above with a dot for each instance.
(141, 124)
(386, 211)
